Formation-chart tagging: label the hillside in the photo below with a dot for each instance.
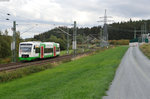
(117, 31)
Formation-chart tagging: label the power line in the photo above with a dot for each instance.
(29, 29)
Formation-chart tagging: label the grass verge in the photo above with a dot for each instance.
(85, 78)
(145, 48)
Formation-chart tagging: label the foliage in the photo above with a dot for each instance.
(5, 45)
(58, 40)
(5, 60)
(85, 78)
(5, 42)
(119, 42)
(125, 30)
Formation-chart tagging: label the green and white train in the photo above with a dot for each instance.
(33, 50)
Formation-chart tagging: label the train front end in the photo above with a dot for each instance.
(26, 51)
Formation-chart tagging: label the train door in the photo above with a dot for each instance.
(54, 50)
(42, 52)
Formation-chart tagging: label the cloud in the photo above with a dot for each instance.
(64, 12)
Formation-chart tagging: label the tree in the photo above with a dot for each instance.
(4, 48)
(57, 40)
(6, 32)
(1, 33)
(18, 40)
(5, 44)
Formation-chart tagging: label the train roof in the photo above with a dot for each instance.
(30, 42)
(37, 42)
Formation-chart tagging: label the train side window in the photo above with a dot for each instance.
(51, 49)
(48, 50)
(37, 50)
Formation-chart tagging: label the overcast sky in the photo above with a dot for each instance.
(37, 16)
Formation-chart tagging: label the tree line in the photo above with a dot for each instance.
(125, 30)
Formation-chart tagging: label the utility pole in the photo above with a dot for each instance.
(14, 42)
(142, 32)
(68, 41)
(145, 27)
(101, 36)
(145, 37)
(134, 33)
(74, 44)
(88, 40)
(83, 42)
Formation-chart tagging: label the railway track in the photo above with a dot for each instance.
(12, 66)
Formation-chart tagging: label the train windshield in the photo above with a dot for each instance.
(25, 49)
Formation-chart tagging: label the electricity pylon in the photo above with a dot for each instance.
(104, 34)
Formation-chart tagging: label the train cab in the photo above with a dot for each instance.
(27, 50)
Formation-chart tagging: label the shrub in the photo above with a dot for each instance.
(119, 42)
(5, 60)
(10, 75)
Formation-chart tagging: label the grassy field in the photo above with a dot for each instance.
(85, 78)
(145, 48)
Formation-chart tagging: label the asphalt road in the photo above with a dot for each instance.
(132, 79)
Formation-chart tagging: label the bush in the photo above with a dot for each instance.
(5, 60)
(145, 48)
(119, 42)
(11, 75)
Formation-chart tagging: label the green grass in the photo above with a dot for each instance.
(85, 78)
